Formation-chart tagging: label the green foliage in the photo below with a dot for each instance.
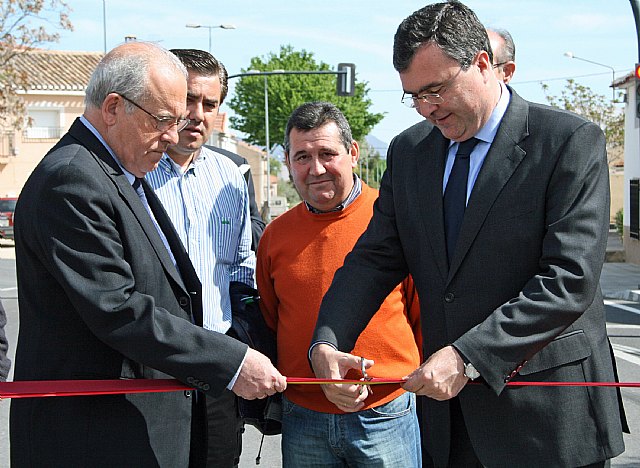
(286, 92)
(371, 165)
(23, 25)
(619, 220)
(594, 107)
(275, 165)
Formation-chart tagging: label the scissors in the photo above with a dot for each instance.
(365, 375)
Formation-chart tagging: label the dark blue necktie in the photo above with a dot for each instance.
(455, 195)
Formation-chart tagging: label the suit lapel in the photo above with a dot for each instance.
(502, 160)
(128, 194)
(431, 154)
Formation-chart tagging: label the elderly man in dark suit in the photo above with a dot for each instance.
(106, 290)
(508, 286)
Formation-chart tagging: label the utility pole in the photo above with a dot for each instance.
(635, 6)
(104, 24)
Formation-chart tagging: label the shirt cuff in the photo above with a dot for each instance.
(235, 377)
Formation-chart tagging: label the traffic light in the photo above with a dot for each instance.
(637, 80)
(346, 79)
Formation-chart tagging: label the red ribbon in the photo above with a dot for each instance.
(51, 388)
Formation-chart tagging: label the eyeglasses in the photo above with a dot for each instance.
(163, 124)
(498, 65)
(429, 98)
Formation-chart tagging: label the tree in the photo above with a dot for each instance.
(371, 165)
(596, 108)
(24, 25)
(286, 92)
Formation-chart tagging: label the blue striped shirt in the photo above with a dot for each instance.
(209, 206)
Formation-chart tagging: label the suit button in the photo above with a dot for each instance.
(183, 301)
(449, 297)
(187, 393)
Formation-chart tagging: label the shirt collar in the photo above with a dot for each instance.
(169, 165)
(130, 177)
(488, 131)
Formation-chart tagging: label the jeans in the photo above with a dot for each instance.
(385, 436)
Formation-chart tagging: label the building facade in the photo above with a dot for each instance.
(55, 98)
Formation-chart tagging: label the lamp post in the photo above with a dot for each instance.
(266, 131)
(104, 24)
(613, 72)
(268, 147)
(220, 26)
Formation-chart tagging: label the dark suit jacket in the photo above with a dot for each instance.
(100, 298)
(521, 299)
(257, 223)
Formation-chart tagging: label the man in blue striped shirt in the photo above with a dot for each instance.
(206, 197)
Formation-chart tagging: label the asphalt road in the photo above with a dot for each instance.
(623, 324)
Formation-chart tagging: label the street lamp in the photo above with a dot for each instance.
(613, 72)
(266, 131)
(220, 26)
(104, 24)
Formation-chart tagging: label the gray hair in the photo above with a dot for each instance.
(506, 53)
(312, 115)
(127, 73)
(451, 26)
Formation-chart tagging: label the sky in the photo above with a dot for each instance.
(361, 32)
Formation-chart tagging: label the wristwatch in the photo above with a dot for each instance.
(470, 371)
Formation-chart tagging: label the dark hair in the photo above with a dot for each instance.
(451, 26)
(312, 115)
(506, 53)
(203, 63)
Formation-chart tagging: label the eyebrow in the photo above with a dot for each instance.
(192, 95)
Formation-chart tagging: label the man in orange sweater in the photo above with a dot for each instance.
(334, 425)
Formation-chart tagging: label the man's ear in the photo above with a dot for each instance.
(354, 153)
(286, 159)
(509, 70)
(483, 62)
(110, 109)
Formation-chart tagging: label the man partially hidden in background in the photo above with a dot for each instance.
(206, 197)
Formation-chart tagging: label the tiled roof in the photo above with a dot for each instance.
(54, 70)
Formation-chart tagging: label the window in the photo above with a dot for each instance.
(45, 124)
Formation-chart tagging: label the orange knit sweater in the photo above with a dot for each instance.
(297, 257)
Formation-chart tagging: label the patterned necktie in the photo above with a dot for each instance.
(455, 194)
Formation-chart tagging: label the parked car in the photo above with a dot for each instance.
(7, 208)
(6, 231)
